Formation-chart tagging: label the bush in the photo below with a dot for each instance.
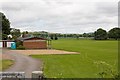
(20, 47)
(18, 43)
(56, 38)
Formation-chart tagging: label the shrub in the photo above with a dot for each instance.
(18, 43)
(56, 38)
(20, 47)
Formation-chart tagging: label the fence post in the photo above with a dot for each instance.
(37, 74)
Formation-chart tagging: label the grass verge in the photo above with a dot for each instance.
(5, 64)
(95, 57)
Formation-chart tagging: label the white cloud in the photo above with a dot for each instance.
(59, 0)
(67, 16)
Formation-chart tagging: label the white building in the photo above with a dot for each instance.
(5, 43)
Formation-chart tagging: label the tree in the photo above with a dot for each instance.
(25, 34)
(114, 33)
(15, 33)
(51, 36)
(56, 38)
(100, 34)
(84, 34)
(5, 26)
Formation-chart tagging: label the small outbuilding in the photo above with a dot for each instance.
(34, 43)
(6, 43)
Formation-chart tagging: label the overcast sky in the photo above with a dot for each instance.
(62, 16)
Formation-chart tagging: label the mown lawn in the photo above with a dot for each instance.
(95, 57)
(5, 64)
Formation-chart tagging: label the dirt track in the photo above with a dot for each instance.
(43, 52)
(23, 64)
(3, 55)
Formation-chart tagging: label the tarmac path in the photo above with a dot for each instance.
(23, 63)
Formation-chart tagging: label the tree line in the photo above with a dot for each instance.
(100, 34)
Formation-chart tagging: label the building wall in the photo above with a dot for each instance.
(35, 44)
(1, 44)
(9, 44)
(5, 44)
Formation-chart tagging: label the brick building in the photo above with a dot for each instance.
(34, 43)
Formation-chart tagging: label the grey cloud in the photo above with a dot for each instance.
(107, 9)
(13, 6)
(61, 16)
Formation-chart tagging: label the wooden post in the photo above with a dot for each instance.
(37, 75)
(49, 44)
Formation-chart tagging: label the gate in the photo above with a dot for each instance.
(12, 75)
(36, 75)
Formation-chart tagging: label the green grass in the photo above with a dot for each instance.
(5, 64)
(81, 65)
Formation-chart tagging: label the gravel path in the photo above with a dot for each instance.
(24, 63)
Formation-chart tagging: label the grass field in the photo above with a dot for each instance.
(95, 57)
(4, 64)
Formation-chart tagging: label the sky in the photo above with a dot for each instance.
(61, 16)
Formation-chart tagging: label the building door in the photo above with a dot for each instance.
(4, 44)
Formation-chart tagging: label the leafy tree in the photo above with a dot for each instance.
(56, 38)
(15, 33)
(84, 34)
(51, 36)
(5, 26)
(88, 34)
(25, 34)
(80, 35)
(100, 34)
(114, 33)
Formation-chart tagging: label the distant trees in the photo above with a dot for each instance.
(114, 33)
(5, 26)
(88, 35)
(100, 34)
(51, 36)
(54, 37)
(25, 34)
(77, 36)
(42, 34)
